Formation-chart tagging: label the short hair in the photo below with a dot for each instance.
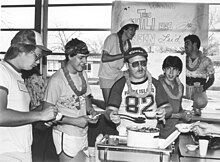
(75, 46)
(173, 61)
(194, 39)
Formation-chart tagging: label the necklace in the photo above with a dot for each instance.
(189, 67)
(169, 93)
(133, 92)
(121, 43)
(71, 83)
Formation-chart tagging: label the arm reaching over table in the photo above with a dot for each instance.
(203, 128)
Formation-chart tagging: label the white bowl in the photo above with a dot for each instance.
(150, 114)
(184, 127)
(191, 147)
(94, 117)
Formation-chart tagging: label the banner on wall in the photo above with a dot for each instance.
(162, 24)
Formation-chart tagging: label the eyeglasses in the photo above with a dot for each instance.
(138, 63)
(37, 56)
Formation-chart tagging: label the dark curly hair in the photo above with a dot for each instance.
(194, 39)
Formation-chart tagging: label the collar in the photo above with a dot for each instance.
(14, 67)
(140, 81)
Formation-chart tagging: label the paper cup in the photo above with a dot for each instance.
(203, 146)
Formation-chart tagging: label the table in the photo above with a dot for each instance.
(185, 159)
(123, 153)
(185, 154)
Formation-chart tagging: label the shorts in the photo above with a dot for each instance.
(16, 157)
(108, 83)
(70, 145)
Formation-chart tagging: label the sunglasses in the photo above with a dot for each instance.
(138, 63)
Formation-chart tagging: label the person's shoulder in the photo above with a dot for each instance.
(155, 81)
(4, 67)
(121, 81)
(57, 76)
(2, 64)
(112, 36)
(119, 85)
(206, 58)
(116, 92)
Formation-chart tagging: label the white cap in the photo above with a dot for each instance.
(128, 22)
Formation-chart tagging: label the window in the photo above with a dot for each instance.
(87, 20)
(13, 18)
(88, 67)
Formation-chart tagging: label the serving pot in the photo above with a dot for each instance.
(136, 137)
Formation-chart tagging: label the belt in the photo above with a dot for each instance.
(192, 81)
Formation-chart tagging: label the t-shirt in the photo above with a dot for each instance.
(19, 138)
(59, 93)
(204, 70)
(112, 70)
(135, 106)
(177, 107)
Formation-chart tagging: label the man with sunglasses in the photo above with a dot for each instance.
(15, 118)
(136, 93)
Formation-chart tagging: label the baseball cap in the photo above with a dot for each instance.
(128, 22)
(76, 46)
(135, 51)
(29, 37)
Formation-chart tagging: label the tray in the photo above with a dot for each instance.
(123, 153)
